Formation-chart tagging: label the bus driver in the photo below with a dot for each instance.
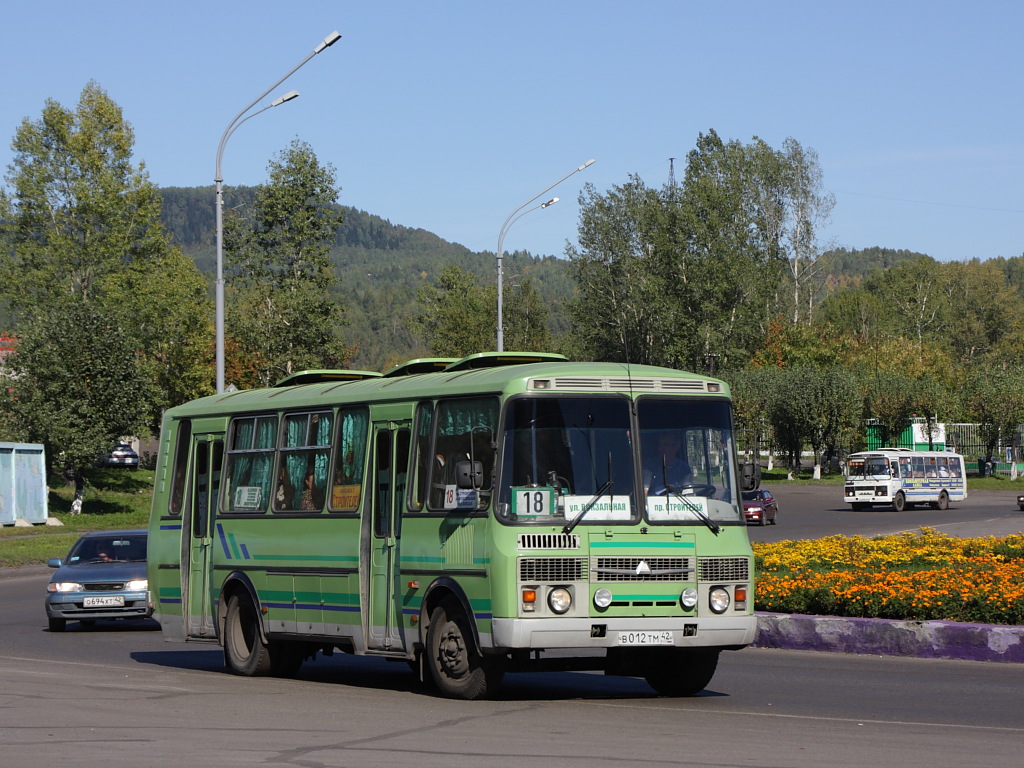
(666, 465)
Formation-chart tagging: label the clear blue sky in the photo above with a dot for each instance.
(449, 115)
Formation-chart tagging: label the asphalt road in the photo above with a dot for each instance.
(814, 511)
(119, 695)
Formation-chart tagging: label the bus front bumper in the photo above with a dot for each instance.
(702, 632)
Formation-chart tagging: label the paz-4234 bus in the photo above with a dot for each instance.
(902, 478)
(504, 512)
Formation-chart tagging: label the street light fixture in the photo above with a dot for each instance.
(512, 219)
(218, 179)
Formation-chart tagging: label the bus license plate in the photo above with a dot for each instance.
(646, 638)
(106, 601)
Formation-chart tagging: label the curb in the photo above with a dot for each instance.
(924, 639)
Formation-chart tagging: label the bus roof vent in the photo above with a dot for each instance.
(498, 359)
(620, 384)
(321, 376)
(420, 365)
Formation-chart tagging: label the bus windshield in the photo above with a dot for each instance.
(687, 460)
(868, 466)
(576, 448)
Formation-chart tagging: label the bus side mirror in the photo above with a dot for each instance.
(469, 474)
(751, 476)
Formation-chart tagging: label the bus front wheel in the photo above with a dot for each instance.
(899, 501)
(684, 673)
(244, 650)
(458, 669)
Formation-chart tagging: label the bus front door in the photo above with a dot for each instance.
(207, 455)
(383, 630)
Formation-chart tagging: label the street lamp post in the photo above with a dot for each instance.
(218, 179)
(512, 219)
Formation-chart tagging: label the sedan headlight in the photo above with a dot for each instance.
(64, 586)
(719, 599)
(559, 600)
(137, 586)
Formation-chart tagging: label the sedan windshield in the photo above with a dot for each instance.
(109, 549)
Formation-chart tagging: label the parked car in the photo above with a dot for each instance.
(103, 577)
(122, 455)
(760, 507)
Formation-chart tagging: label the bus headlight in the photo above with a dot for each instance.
(718, 600)
(688, 598)
(559, 600)
(603, 598)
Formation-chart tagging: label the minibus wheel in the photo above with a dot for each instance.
(899, 501)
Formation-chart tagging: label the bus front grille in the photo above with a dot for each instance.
(547, 569)
(723, 568)
(641, 569)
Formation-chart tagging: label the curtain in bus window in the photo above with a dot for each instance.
(251, 460)
(465, 430)
(350, 458)
(305, 456)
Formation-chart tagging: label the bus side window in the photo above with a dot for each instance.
(895, 469)
(180, 465)
(463, 428)
(349, 459)
(422, 460)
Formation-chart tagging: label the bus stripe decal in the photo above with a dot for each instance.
(223, 541)
(234, 546)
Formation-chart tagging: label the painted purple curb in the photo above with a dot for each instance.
(926, 639)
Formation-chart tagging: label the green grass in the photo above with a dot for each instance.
(114, 498)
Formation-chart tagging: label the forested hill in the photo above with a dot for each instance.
(381, 267)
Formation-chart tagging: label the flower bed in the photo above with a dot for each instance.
(920, 576)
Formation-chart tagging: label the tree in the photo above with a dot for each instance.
(686, 277)
(79, 210)
(81, 223)
(77, 385)
(164, 299)
(459, 315)
(281, 314)
(526, 320)
(994, 397)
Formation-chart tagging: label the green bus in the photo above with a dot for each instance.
(504, 512)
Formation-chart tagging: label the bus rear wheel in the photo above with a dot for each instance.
(458, 669)
(244, 650)
(943, 502)
(899, 501)
(682, 672)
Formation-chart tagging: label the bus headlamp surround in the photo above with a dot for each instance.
(559, 600)
(718, 599)
(603, 598)
(688, 598)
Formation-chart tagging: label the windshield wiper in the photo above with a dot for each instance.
(700, 513)
(607, 487)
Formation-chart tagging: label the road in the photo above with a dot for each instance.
(120, 696)
(814, 511)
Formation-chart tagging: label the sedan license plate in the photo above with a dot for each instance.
(646, 638)
(104, 601)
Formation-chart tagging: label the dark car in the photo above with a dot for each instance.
(103, 577)
(1020, 501)
(760, 506)
(122, 455)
